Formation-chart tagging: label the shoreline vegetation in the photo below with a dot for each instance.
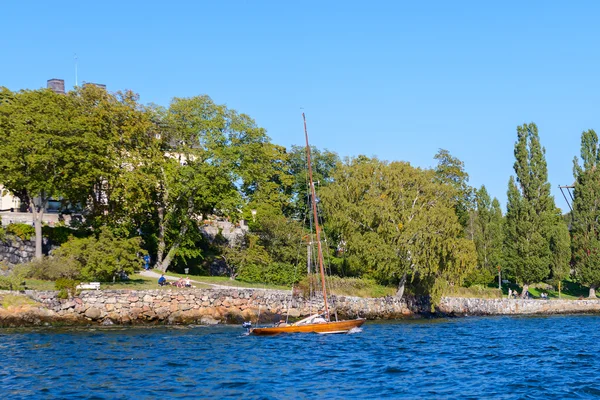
(198, 187)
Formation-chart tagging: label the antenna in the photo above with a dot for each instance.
(76, 84)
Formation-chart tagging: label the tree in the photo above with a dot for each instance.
(534, 234)
(487, 236)
(450, 170)
(399, 221)
(586, 213)
(247, 254)
(324, 164)
(122, 160)
(103, 258)
(40, 151)
(218, 160)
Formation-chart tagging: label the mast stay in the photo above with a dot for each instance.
(316, 220)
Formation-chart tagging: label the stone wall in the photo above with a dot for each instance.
(14, 250)
(464, 306)
(212, 306)
(205, 306)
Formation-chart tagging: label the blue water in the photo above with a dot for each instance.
(503, 358)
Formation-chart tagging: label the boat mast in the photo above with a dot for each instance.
(317, 228)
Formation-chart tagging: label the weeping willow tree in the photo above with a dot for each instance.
(400, 223)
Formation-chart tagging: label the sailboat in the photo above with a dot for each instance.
(317, 323)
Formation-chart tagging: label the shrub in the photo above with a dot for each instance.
(52, 268)
(12, 281)
(66, 287)
(273, 273)
(22, 231)
(480, 276)
(103, 258)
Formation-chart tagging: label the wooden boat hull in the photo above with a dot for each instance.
(325, 327)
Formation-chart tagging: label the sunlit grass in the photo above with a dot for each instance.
(225, 281)
(11, 300)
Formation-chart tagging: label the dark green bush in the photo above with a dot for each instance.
(61, 234)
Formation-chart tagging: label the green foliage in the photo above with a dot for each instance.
(324, 164)
(22, 231)
(14, 280)
(61, 234)
(2, 233)
(104, 258)
(480, 291)
(534, 239)
(247, 253)
(282, 238)
(52, 268)
(451, 171)
(273, 273)
(360, 287)
(398, 220)
(487, 231)
(66, 287)
(586, 212)
(480, 276)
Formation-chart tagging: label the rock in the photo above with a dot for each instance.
(208, 320)
(93, 313)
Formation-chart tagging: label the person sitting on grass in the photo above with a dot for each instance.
(162, 281)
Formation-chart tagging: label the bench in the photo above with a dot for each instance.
(89, 286)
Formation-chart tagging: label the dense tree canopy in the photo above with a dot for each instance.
(487, 236)
(586, 212)
(399, 221)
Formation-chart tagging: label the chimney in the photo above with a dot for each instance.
(57, 85)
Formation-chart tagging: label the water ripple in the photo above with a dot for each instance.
(503, 358)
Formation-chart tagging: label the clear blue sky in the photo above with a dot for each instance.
(394, 79)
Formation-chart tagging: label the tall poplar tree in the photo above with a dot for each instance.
(535, 232)
(586, 213)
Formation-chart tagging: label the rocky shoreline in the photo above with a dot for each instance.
(233, 306)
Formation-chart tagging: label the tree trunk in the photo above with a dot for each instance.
(37, 223)
(164, 265)
(161, 235)
(525, 290)
(592, 292)
(401, 285)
